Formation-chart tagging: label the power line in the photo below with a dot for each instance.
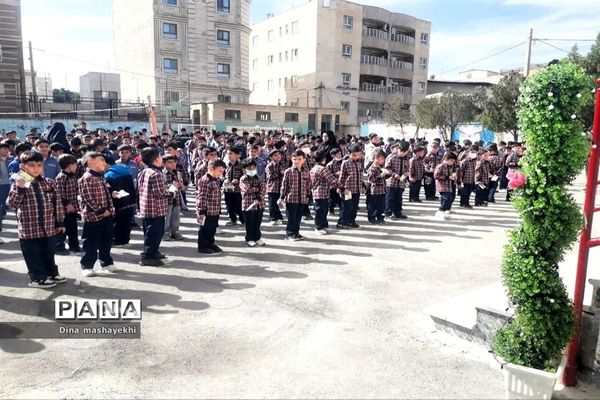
(551, 45)
(484, 58)
(568, 40)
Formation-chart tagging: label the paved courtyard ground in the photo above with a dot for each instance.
(341, 316)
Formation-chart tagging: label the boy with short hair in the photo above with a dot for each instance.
(377, 176)
(231, 187)
(172, 219)
(66, 188)
(416, 171)
(295, 190)
(40, 216)
(466, 178)
(446, 176)
(154, 202)
(482, 179)
(208, 207)
(322, 183)
(253, 189)
(351, 187)
(97, 213)
(397, 163)
(274, 172)
(334, 166)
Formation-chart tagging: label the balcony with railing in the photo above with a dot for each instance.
(402, 38)
(372, 87)
(374, 32)
(384, 62)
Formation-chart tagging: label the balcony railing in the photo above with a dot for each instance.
(374, 60)
(371, 87)
(394, 37)
(399, 37)
(373, 32)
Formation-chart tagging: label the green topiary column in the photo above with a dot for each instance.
(557, 147)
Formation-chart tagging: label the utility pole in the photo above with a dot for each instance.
(33, 90)
(321, 94)
(528, 62)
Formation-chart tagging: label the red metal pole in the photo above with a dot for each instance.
(569, 377)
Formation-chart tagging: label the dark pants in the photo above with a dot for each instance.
(97, 242)
(447, 198)
(294, 218)
(376, 207)
(335, 200)
(393, 202)
(253, 222)
(367, 193)
(274, 211)
(234, 206)
(70, 233)
(123, 226)
(465, 193)
(321, 210)
(306, 209)
(4, 191)
(39, 258)
(481, 195)
(429, 187)
(206, 233)
(154, 229)
(503, 179)
(492, 191)
(415, 190)
(349, 211)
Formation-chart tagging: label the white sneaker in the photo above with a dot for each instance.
(231, 223)
(110, 269)
(275, 223)
(260, 242)
(322, 231)
(218, 231)
(251, 243)
(440, 215)
(87, 273)
(448, 212)
(2, 241)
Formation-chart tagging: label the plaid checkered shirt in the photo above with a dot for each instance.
(482, 172)
(95, 197)
(398, 165)
(322, 181)
(170, 178)
(208, 198)
(378, 184)
(416, 169)
(350, 176)
(201, 170)
(274, 172)
(496, 165)
(334, 166)
(513, 161)
(431, 161)
(66, 188)
(234, 172)
(442, 175)
(182, 169)
(467, 172)
(154, 196)
(295, 187)
(39, 210)
(253, 189)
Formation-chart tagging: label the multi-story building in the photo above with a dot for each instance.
(12, 74)
(182, 51)
(101, 90)
(43, 86)
(335, 53)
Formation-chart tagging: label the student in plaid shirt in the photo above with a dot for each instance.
(377, 176)
(40, 216)
(431, 161)
(416, 171)
(295, 190)
(446, 176)
(208, 207)
(253, 189)
(496, 168)
(397, 163)
(274, 172)
(66, 187)
(231, 187)
(513, 162)
(172, 149)
(335, 166)
(98, 216)
(466, 176)
(482, 178)
(208, 154)
(172, 219)
(309, 163)
(154, 202)
(351, 186)
(323, 182)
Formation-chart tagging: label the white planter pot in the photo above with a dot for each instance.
(529, 383)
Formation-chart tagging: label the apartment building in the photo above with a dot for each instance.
(339, 54)
(12, 74)
(182, 51)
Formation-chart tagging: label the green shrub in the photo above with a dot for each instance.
(548, 111)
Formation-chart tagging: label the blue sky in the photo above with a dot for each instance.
(462, 31)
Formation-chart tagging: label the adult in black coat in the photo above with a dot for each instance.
(329, 143)
(58, 134)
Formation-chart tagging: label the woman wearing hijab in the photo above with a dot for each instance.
(329, 143)
(58, 134)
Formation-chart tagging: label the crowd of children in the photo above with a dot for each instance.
(103, 177)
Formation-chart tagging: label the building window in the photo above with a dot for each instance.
(270, 85)
(255, 63)
(287, 29)
(286, 82)
(280, 57)
(348, 21)
(326, 3)
(423, 62)
(169, 31)
(254, 40)
(346, 78)
(270, 60)
(254, 86)
(223, 37)
(347, 50)
(281, 31)
(294, 54)
(0, 53)
(424, 37)
(223, 70)
(294, 80)
(223, 6)
(295, 27)
(286, 56)
(263, 116)
(271, 35)
(170, 2)
(345, 105)
(291, 117)
(170, 66)
(233, 114)
(279, 82)
(421, 87)
(171, 97)
(224, 98)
